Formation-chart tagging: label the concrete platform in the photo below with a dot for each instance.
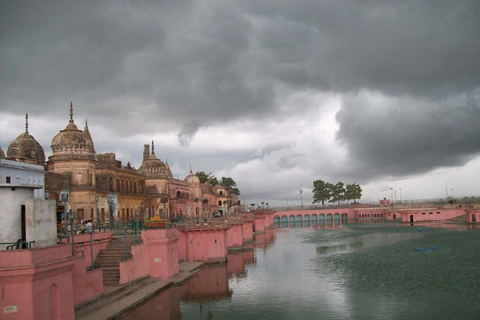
(115, 302)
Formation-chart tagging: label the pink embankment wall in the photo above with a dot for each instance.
(161, 252)
(182, 246)
(235, 236)
(431, 215)
(259, 224)
(136, 267)
(248, 231)
(86, 285)
(37, 284)
(208, 245)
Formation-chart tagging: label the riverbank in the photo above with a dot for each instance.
(116, 301)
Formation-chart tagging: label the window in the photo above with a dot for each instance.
(219, 203)
(438, 212)
(221, 193)
(8, 180)
(423, 212)
(430, 213)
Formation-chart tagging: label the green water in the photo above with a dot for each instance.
(352, 271)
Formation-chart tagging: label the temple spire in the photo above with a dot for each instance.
(26, 123)
(190, 168)
(71, 111)
(153, 148)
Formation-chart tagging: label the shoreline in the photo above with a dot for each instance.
(122, 299)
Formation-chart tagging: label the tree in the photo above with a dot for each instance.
(338, 192)
(204, 178)
(231, 185)
(353, 191)
(321, 191)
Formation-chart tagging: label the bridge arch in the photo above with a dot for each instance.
(329, 217)
(276, 220)
(306, 218)
(321, 217)
(284, 218)
(292, 219)
(314, 217)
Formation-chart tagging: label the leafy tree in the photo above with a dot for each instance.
(231, 185)
(322, 191)
(338, 192)
(204, 178)
(353, 191)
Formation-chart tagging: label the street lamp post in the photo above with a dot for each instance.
(452, 194)
(98, 218)
(125, 235)
(301, 199)
(90, 231)
(400, 194)
(72, 226)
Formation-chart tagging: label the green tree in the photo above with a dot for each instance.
(231, 185)
(353, 191)
(204, 178)
(322, 191)
(338, 192)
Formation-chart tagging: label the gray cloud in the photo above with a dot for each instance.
(147, 67)
(188, 133)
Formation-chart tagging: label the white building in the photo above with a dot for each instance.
(15, 172)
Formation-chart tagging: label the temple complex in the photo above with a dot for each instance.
(96, 186)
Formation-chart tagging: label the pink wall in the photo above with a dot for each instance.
(136, 267)
(431, 215)
(208, 245)
(248, 231)
(259, 224)
(37, 284)
(87, 285)
(235, 236)
(161, 252)
(182, 246)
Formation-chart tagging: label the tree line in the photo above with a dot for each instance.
(227, 182)
(326, 191)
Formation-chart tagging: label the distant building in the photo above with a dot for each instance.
(385, 202)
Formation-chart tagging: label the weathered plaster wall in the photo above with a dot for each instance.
(41, 222)
(11, 201)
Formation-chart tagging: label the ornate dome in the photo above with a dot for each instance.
(2, 154)
(152, 167)
(73, 143)
(26, 149)
(192, 179)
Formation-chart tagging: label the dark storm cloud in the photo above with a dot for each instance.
(154, 66)
(406, 136)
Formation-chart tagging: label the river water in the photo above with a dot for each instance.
(339, 271)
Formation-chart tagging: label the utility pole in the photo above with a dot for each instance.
(301, 199)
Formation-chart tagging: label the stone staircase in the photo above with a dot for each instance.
(110, 258)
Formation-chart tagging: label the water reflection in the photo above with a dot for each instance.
(332, 270)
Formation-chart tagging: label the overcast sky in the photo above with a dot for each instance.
(274, 94)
